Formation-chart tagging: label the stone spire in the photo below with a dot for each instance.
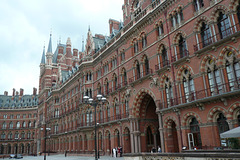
(50, 44)
(43, 56)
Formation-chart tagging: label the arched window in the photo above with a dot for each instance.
(3, 136)
(87, 118)
(23, 135)
(126, 106)
(146, 66)
(10, 136)
(149, 136)
(24, 124)
(198, 4)
(160, 30)
(115, 84)
(29, 135)
(182, 47)
(16, 135)
(169, 92)
(90, 117)
(222, 123)
(164, 57)
(188, 85)
(223, 25)
(11, 125)
(18, 125)
(4, 125)
(108, 112)
(144, 41)
(195, 130)
(233, 72)
(124, 77)
(214, 78)
(205, 35)
(135, 46)
(138, 72)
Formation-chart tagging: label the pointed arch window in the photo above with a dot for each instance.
(198, 4)
(182, 47)
(18, 125)
(4, 125)
(23, 135)
(169, 92)
(146, 66)
(24, 124)
(223, 25)
(124, 78)
(214, 80)
(205, 35)
(222, 123)
(149, 136)
(195, 130)
(144, 41)
(126, 106)
(160, 30)
(135, 45)
(3, 136)
(10, 136)
(115, 83)
(164, 57)
(28, 135)
(138, 72)
(108, 112)
(29, 124)
(11, 125)
(188, 85)
(88, 118)
(233, 73)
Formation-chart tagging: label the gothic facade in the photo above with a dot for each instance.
(170, 72)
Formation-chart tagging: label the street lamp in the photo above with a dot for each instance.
(45, 137)
(17, 138)
(95, 102)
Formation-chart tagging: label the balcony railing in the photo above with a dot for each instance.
(140, 75)
(162, 65)
(218, 36)
(200, 95)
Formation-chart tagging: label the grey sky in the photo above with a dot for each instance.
(25, 25)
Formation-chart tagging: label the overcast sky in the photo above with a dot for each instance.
(26, 24)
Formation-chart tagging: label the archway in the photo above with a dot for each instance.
(149, 119)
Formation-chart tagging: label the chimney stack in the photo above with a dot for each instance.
(5, 93)
(21, 92)
(13, 94)
(34, 91)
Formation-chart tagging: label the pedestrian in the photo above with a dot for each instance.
(116, 150)
(120, 151)
(114, 153)
(65, 153)
(159, 149)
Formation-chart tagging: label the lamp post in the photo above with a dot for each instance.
(45, 137)
(17, 138)
(95, 102)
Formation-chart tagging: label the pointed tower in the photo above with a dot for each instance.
(43, 61)
(49, 54)
(68, 53)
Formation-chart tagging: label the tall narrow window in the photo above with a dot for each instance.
(169, 93)
(135, 47)
(138, 71)
(11, 125)
(4, 125)
(223, 25)
(238, 14)
(198, 4)
(222, 123)
(195, 130)
(164, 57)
(146, 66)
(125, 77)
(214, 79)
(182, 47)
(189, 89)
(144, 41)
(205, 35)
(160, 29)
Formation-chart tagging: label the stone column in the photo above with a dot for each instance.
(161, 131)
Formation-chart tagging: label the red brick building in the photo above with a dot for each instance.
(170, 73)
(18, 115)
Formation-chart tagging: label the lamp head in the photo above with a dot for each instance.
(99, 97)
(85, 98)
(90, 100)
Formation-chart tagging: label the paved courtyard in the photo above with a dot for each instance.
(62, 157)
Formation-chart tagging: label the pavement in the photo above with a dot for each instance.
(62, 157)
